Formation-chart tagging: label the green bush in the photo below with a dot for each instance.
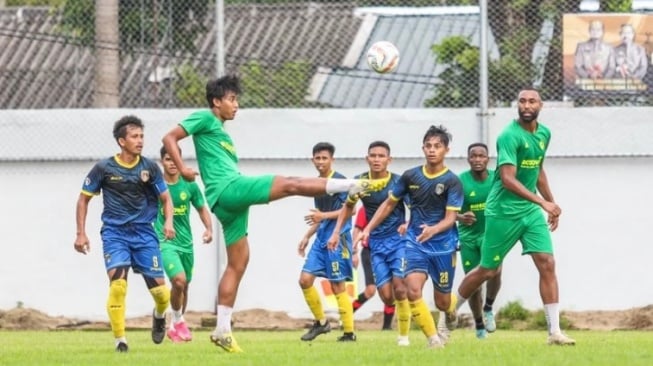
(514, 310)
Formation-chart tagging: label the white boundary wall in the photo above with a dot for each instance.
(602, 249)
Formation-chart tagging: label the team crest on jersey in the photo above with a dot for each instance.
(87, 181)
(542, 145)
(439, 189)
(183, 196)
(145, 175)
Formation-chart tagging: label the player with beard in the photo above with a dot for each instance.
(513, 210)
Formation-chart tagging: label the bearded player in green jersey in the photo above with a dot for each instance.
(177, 254)
(513, 210)
(230, 194)
(477, 182)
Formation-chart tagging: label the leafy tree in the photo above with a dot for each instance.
(189, 87)
(285, 86)
(615, 6)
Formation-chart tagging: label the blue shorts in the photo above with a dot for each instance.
(388, 258)
(134, 245)
(441, 267)
(334, 265)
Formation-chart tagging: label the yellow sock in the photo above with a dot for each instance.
(403, 316)
(116, 306)
(314, 303)
(423, 317)
(161, 296)
(453, 303)
(346, 312)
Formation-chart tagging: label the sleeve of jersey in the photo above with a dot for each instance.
(455, 196)
(157, 179)
(197, 198)
(93, 181)
(361, 218)
(507, 147)
(194, 123)
(399, 189)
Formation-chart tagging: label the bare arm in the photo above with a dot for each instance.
(545, 191)
(344, 213)
(301, 249)
(446, 223)
(82, 244)
(205, 216)
(510, 182)
(171, 143)
(381, 213)
(168, 212)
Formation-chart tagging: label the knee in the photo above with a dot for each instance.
(413, 293)
(179, 283)
(545, 263)
(118, 289)
(305, 282)
(488, 274)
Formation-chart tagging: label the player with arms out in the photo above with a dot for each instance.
(476, 186)
(131, 186)
(435, 195)
(513, 210)
(335, 265)
(385, 241)
(177, 254)
(230, 194)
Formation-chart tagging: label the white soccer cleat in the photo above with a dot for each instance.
(435, 342)
(560, 339)
(366, 185)
(403, 341)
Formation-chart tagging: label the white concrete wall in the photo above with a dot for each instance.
(602, 249)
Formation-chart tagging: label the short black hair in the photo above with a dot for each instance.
(439, 131)
(379, 143)
(218, 88)
(322, 146)
(163, 151)
(476, 144)
(120, 127)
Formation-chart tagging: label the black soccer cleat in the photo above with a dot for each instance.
(316, 330)
(122, 347)
(347, 337)
(158, 329)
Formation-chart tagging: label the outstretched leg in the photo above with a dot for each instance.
(314, 187)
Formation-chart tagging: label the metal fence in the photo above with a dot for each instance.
(298, 54)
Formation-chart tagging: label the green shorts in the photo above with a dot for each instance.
(232, 207)
(176, 261)
(470, 253)
(502, 234)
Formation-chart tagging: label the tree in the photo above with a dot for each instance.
(107, 64)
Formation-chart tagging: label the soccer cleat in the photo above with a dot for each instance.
(347, 337)
(122, 347)
(443, 331)
(174, 336)
(227, 342)
(158, 329)
(182, 331)
(481, 333)
(366, 185)
(560, 339)
(490, 323)
(403, 341)
(316, 330)
(435, 342)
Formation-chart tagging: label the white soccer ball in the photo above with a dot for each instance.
(383, 57)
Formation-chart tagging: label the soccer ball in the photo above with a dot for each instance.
(383, 57)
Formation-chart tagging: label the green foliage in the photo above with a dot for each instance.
(168, 24)
(190, 87)
(616, 6)
(51, 3)
(459, 81)
(514, 310)
(284, 86)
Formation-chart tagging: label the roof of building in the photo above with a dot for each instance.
(46, 69)
(355, 85)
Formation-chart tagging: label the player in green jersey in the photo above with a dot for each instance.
(513, 210)
(471, 228)
(230, 194)
(177, 254)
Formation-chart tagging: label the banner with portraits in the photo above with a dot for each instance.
(607, 54)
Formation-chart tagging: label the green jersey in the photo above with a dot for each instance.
(476, 193)
(524, 150)
(214, 151)
(183, 194)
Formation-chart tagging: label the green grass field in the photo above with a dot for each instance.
(285, 348)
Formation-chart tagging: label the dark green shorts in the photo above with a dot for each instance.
(232, 207)
(177, 261)
(502, 234)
